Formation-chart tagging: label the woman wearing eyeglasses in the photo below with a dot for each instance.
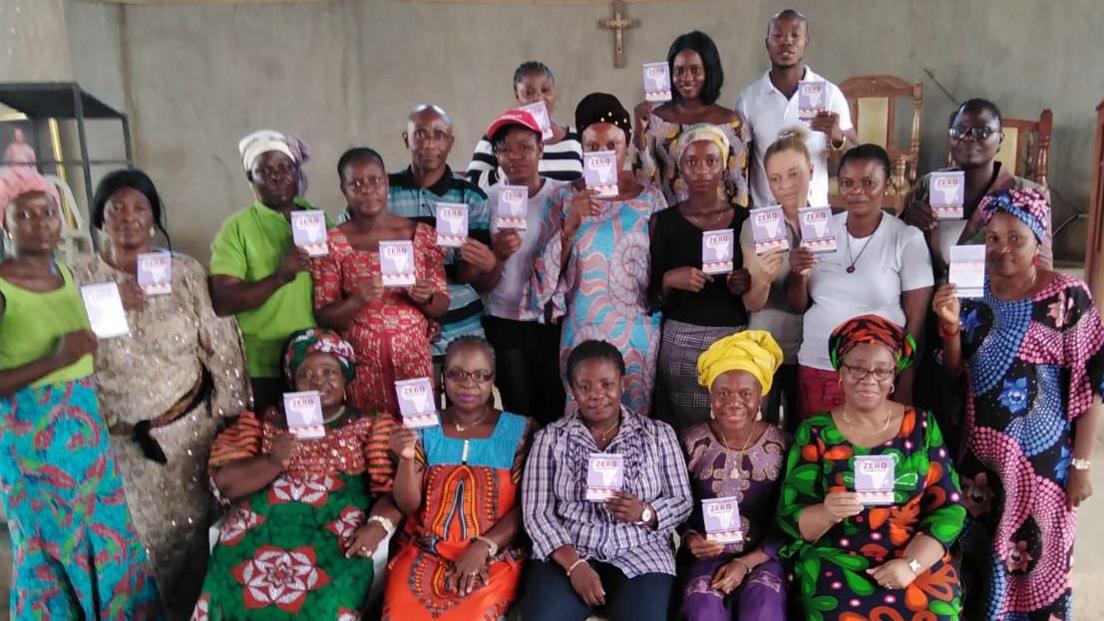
(460, 555)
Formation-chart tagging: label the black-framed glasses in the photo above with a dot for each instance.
(478, 376)
(859, 374)
(982, 132)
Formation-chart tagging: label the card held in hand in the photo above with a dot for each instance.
(452, 224)
(303, 411)
(816, 229)
(718, 248)
(416, 402)
(874, 478)
(721, 517)
(513, 208)
(605, 475)
(397, 263)
(947, 194)
(539, 110)
(812, 98)
(155, 273)
(600, 172)
(105, 311)
(768, 229)
(967, 270)
(308, 231)
(657, 82)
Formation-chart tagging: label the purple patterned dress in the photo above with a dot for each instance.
(756, 486)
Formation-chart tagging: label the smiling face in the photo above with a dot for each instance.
(867, 376)
(34, 222)
(536, 86)
(735, 397)
(128, 218)
(863, 185)
(364, 184)
(597, 385)
(1010, 246)
(322, 372)
(469, 377)
(688, 74)
(789, 174)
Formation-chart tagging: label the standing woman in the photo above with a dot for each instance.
(164, 387)
(1032, 349)
(562, 159)
(698, 308)
(696, 80)
(594, 269)
(77, 554)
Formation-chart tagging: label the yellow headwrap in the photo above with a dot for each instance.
(754, 351)
(703, 131)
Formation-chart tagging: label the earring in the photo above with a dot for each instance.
(712, 416)
(153, 231)
(759, 415)
(892, 388)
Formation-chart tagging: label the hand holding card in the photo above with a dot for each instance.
(397, 263)
(966, 270)
(416, 402)
(105, 311)
(874, 479)
(308, 231)
(303, 412)
(513, 207)
(768, 229)
(452, 224)
(717, 251)
(947, 194)
(721, 517)
(155, 273)
(600, 172)
(657, 82)
(812, 98)
(605, 475)
(540, 113)
(816, 230)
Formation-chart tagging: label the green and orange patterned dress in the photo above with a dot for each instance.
(830, 573)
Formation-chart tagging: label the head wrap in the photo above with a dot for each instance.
(306, 342)
(19, 180)
(602, 108)
(875, 330)
(753, 351)
(1028, 205)
(703, 131)
(263, 141)
(301, 153)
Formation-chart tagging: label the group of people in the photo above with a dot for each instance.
(605, 338)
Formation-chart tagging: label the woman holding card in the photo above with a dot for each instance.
(614, 553)
(164, 387)
(77, 554)
(696, 80)
(1032, 348)
(735, 456)
(701, 297)
(297, 537)
(388, 326)
(871, 500)
(594, 267)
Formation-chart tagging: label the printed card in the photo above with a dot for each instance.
(513, 207)
(657, 82)
(874, 477)
(722, 520)
(308, 231)
(768, 229)
(155, 273)
(717, 251)
(452, 224)
(816, 229)
(947, 194)
(600, 172)
(105, 311)
(812, 98)
(967, 270)
(397, 263)
(540, 112)
(605, 475)
(303, 411)
(416, 402)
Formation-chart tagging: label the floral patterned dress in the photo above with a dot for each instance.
(1034, 366)
(830, 573)
(658, 163)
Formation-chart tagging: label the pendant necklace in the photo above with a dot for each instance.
(740, 456)
(851, 266)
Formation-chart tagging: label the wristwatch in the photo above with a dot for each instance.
(646, 515)
(915, 567)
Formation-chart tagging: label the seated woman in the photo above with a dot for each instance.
(736, 455)
(854, 561)
(615, 554)
(297, 538)
(461, 556)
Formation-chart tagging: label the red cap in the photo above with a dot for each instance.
(513, 117)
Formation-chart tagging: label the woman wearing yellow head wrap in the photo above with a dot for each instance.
(735, 456)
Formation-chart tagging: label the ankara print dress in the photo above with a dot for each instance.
(1033, 368)
(830, 574)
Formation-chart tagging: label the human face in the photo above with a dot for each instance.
(128, 218)
(429, 138)
(17, 136)
(275, 179)
(322, 372)
(364, 184)
(702, 167)
(786, 42)
(34, 222)
(1010, 246)
(867, 376)
(789, 173)
(606, 137)
(688, 74)
(735, 397)
(597, 385)
(536, 86)
(968, 151)
(519, 155)
(863, 185)
(469, 378)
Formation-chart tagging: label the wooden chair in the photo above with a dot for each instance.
(873, 100)
(1026, 147)
(1094, 246)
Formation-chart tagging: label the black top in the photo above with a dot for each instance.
(677, 242)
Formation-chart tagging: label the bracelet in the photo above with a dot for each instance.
(387, 524)
(1080, 464)
(577, 562)
(947, 334)
(841, 147)
(744, 563)
(492, 547)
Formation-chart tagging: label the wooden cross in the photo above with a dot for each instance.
(617, 24)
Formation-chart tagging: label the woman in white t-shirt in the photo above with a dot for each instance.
(882, 267)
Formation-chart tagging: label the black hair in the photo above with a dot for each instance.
(787, 14)
(977, 105)
(499, 136)
(593, 350)
(136, 180)
(358, 154)
(532, 66)
(867, 152)
(699, 42)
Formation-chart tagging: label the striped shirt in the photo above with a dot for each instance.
(556, 511)
(562, 161)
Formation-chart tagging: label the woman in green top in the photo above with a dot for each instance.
(76, 552)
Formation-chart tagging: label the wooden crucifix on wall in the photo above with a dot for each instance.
(617, 24)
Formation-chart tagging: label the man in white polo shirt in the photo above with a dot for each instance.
(769, 105)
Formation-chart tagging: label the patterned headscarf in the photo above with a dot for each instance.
(754, 351)
(19, 180)
(703, 131)
(875, 330)
(1027, 205)
(602, 108)
(306, 342)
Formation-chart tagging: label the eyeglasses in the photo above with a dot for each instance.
(480, 376)
(960, 132)
(859, 374)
